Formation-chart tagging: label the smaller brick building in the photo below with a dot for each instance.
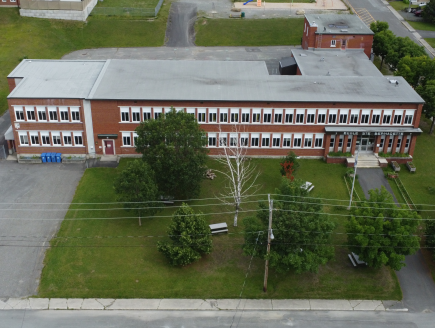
(336, 32)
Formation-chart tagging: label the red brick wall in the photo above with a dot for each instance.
(9, 3)
(11, 82)
(352, 41)
(308, 40)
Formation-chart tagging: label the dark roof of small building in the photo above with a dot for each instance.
(338, 24)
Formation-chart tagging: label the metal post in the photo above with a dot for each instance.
(354, 175)
(266, 269)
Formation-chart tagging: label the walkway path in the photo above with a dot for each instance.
(180, 30)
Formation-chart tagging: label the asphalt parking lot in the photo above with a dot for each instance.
(27, 222)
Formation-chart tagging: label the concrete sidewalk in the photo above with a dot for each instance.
(198, 304)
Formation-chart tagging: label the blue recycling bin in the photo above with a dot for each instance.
(59, 157)
(53, 157)
(44, 157)
(48, 155)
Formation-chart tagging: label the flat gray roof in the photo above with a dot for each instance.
(376, 129)
(55, 78)
(336, 63)
(175, 80)
(338, 24)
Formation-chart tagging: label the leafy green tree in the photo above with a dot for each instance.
(430, 235)
(302, 235)
(382, 43)
(136, 188)
(402, 47)
(427, 92)
(382, 233)
(190, 237)
(290, 158)
(379, 26)
(416, 70)
(174, 145)
(429, 12)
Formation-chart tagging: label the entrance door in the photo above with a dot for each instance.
(343, 44)
(109, 147)
(367, 144)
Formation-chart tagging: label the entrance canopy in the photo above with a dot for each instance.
(9, 135)
(372, 130)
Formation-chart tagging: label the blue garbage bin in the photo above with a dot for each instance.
(53, 157)
(44, 157)
(48, 155)
(59, 157)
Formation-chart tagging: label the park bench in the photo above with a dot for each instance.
(355, 260)
(218, 228)
(308, 186)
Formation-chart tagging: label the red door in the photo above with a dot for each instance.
(343, 44)
(109, 147)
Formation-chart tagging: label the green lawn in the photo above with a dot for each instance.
(128, 3)
(42, 38)
(431, 42)
(399, 5)
(128, 267)
(425, 26)
(249, 32)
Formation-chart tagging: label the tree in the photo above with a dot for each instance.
(174, 147)
(190, 237)
(382, 44)
(429, 12)
(427, 92)
(136, 188)
(290, 158)
(240, 174)
(379, 26)
(416, 70)
(302, 235)
(402, 47)
(430, 236)
(382, 233)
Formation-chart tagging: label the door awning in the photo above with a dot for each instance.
(107, 136)
(372, 130)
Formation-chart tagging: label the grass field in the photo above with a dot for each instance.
(425, 26)
(128, 3)
(128, 267)
(431, 42)
(400, 5)
(51, 39)
(249, 32)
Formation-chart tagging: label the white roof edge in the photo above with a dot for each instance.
(99, 78)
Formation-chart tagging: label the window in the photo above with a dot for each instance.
(340, 142)
(297, 142)
(42, 114)
(286, 140)
(244, 140)
(399, 142)
(19, 114)
(318, 142)
(349, 142)
(376, 118)
(135, 115)
(30, 114)
(235, 117)
(381, 144)
(212, 116)
(386, 119)
(75, 115)
(278, 118)
(45, 138)
(78, 140)
(321, 118)
(254, 140)
(408, 139)
(256, 116)
(24, 139)
(56, 138)
(353, 118)
(233, 140)
(299, 118)
(308, 142)
(222, 141)
(408, 119)
(333, 43)
(146, 114)
(397, 119)
(390, 142)
(67, 139)
(343, 118)
(331, 143)
(126, 139)
(211, 140)
(190, 111)
(158, 113)
(64, 116)
(52, 113)
(245, 117)
(289, 118)
(223, 117)
(267, 117)
(34, 139)
(265, 141)
(276, 141)
(201, 117)
(332, 118)
(365, 118)
(310, 118)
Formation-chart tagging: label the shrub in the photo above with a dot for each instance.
(340, 154)
(290, 158)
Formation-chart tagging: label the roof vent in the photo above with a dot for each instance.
(303, 55)
(322, 59)
(394, 82)
(324, 28)
(328, 74)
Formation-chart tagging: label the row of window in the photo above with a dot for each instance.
(278, 116)
(47, 114)
(46, 138)
(340, 140)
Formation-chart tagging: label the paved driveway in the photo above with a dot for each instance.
(23, 235)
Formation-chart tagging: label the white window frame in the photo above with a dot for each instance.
(52, 109)
(58, 137)
(268, 112)
(157, 112)
(244, 139)
(331, 113)
(278, 116)
(223, 113)
(333, 43)
(408, 113)
(34, 135)
(63, 110)
(289, 116)
(235, 115)
(19, 109)
(127, 135)
(42, 110)
(264, 137)
(125, 115)
(297, 139)
(135, 110)
(246, 115)
(146, 113)
(311, 113)
(223, 140)
(212, 115)
(298, 116)
(256, 115)
(30, 109)
(321, 112)
(45, 135)
(23, 136)
(66, 135)
(202, 115)
(191, 111)
(354, 114)
(212, 136)
(255, 136)
(398, 113)
(287, 140)
(78, 135)
(343, 115)
(308, 139)
(319, 137)
(234, 140)
(365, 113)
(135, 136)
(276, 140)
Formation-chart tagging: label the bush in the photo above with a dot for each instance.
(290, 158)
(339, 154)
(382, 154)
(431, 190)
(430, 235)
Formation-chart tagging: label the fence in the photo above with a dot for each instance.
(125, 11)
(54, 5)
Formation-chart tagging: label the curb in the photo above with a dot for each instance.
(166, 304)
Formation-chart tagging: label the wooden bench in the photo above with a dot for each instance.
(218, 228)
(351, 259)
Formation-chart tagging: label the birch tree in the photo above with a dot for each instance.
(240, 174)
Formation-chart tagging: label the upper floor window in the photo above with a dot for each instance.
(278, 117)
(223, 118)
(289, 118)
(299, 118)
(256, 117)
(201, 117)
(310, 118)
(52, 113)
(376, 118)
(42, 114)
(397, 119)
(212, 117)
(343, 118)
(365, 118)
(332, 118)
(19, 114)
(265, 141)
(245, 117)
(24, 139)
(386, 119)
(30, 114)
(308, 142)
(235, 117)
(318, 142)
(408, 119)
(353, 118)
(321, 118)
(64, 115)
(75, 115)
(267, 117)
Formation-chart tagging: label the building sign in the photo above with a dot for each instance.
(374, 133)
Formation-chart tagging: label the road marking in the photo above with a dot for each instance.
(364, 15)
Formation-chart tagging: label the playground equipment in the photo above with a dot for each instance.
(258, 2)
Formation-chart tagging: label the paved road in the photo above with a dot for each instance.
(20, 266)
(201, 319)
(180, 30)
(371, 179)
(271, 55)
(5, 123)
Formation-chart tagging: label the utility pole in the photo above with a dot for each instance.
(269, 238)
(354, 175)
